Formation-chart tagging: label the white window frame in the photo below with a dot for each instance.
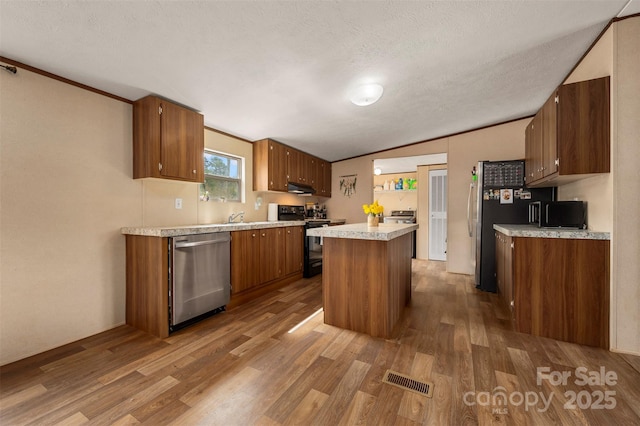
(240, 179)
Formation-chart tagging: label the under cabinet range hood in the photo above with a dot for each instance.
(300, 189)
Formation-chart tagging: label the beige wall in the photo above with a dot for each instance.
(625, 267)
(66, 190)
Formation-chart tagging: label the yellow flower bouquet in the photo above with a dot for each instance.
(373, 211)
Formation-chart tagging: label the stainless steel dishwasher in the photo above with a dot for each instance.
(200, 269)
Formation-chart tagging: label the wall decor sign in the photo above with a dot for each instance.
(348, 185)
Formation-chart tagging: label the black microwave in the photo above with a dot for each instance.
(558, 214)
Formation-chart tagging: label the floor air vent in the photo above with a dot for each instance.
(407, 383)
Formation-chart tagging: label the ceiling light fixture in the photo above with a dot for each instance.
(366, 94)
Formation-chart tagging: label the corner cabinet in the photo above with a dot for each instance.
(168, 141)
(275, 165)
(569, 137)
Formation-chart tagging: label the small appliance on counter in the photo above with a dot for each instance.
(558, 214)
(286, 212)
(314, 211)
(272, 212)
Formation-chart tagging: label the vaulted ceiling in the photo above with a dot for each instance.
(283, 69)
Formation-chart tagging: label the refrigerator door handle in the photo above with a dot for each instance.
(469, 207)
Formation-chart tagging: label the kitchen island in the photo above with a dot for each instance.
(366, 275)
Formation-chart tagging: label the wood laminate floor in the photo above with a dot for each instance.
(243, 367)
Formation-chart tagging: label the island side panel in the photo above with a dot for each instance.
(399, 252)
(366, 283)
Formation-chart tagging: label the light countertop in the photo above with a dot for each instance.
(360, 231)
(535, 232)
(176, 231)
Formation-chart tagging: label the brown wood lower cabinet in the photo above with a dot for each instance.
(504, 270)
(560, 287)
(263, 260)
(294, 249)
(245, 255)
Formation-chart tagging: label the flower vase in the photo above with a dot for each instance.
(372, 221)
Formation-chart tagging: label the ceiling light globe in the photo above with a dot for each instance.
(366, 94)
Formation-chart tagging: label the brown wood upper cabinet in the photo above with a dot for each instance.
(168, 141)
(275, 164)
(323, 178)
(298, 166)
(269, 166)
(569, 137)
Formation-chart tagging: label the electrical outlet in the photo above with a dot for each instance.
(178, 203)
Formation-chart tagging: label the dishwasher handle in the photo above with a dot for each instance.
(185, 244)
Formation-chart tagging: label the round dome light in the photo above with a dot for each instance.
(366, 94)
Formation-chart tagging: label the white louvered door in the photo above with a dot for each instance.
(438, 215)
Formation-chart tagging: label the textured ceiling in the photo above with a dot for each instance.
(282, 69)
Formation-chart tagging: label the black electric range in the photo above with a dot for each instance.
(312, 245)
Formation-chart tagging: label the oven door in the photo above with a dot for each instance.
(312, 253)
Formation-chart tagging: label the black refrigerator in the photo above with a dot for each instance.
(502, 198)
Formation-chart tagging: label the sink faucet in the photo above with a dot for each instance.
(234, 216)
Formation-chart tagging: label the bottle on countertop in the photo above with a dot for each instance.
(399, 184)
